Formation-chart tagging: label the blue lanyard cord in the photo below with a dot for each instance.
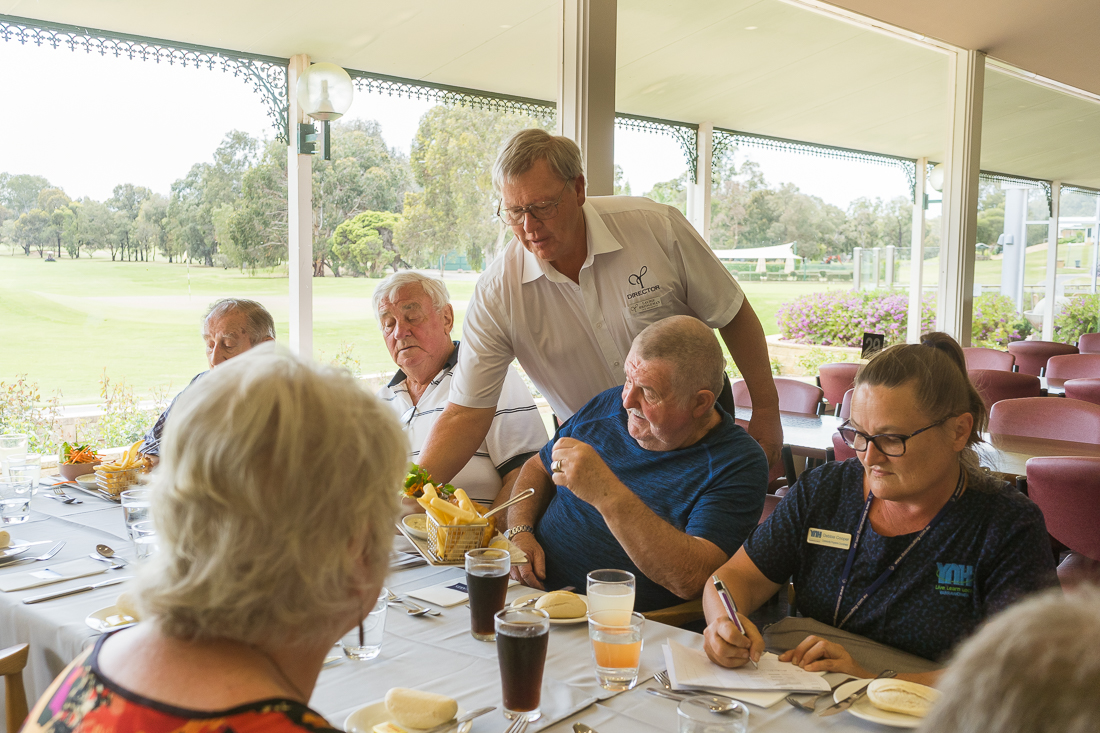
(893, 566)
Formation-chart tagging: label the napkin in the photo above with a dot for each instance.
(450, 593)
(53, 574)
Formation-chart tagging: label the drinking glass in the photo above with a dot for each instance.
(136, 505)
(15, 500)
(522, 634)
(11, 445)
(611, 590)
(695, 717)
(617, 648)
(487, 585)
(28, 466)
(145, 540)
(365, 640)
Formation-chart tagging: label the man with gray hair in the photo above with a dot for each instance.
(653, 477)
(582, 277)
(415, 314)
(230, 327)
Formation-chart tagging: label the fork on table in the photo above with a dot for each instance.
(60, 493)
(46, 556)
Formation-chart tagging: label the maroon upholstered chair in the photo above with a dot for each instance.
(1047, 417)
(979, 358)
(771, 501)
(841, 450)
(845, 411)
(1089, 343)
(994, 385)
(1067, 489)
(1032, 356)
(1084, 389)
(1073, 366)
(794, 395)
(836, 379)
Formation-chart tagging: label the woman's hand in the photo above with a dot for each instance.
(728, 647)
(815, 654)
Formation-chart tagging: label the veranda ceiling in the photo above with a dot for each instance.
(760, 66)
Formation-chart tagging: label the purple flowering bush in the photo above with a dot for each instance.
(1080, 315)
(995, 321)
(841, 317)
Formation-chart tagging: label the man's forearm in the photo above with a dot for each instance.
(532, 475)
(671, 558)
(744, 337)
(457, 434)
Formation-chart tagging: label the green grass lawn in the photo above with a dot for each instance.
(65, 323)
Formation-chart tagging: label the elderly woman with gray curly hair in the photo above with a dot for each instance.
(273, 501)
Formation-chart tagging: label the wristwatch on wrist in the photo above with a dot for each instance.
(517, 529)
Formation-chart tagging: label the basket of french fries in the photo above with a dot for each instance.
(455, 523)
(122, 473)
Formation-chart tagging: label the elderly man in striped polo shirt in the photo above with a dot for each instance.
(416, 318)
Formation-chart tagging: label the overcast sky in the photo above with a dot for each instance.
(88, 122)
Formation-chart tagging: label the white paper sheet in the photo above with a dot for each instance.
(691, 668)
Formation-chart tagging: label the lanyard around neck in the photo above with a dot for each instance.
(893, 566)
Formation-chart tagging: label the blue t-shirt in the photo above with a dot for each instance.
(989, 549)
(713, 489)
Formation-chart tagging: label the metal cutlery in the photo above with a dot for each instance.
(522, 496)
(59, 493)
(714, 703)
(519, 725)
(114, 565)
(74, 591)
(666, 682)
(460, 720)
(26, 560)
(412, 609)
(851, 699)
(811, 704)
(582, 728)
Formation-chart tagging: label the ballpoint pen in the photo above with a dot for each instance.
(731, 609)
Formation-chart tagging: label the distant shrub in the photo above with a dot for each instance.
(996, 323)
(123, 421)
(1080, 315)
(811, 361)
(22, 410)
(841, 317)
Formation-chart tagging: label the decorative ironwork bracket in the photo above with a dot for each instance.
(1024, 181)
(682, 132)
(266, 74)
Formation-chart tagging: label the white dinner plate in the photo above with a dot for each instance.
(417, 525)
(556, 621)
(864, 709)
(19, 547)
(97, 620)
(368, 716)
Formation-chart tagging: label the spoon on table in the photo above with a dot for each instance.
(522, 496)
(106, 554)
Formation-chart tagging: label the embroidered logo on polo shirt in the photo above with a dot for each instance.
(953, 579)
(637, 279)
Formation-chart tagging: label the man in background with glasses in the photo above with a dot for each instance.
(582, 277)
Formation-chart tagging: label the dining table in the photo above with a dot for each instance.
(435, 653)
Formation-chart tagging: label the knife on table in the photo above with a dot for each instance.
(74, 591)
(850, 700)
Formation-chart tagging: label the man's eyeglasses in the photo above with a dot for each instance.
(542, 211)
(888, 444)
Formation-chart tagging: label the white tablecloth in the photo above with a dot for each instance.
(434, 653)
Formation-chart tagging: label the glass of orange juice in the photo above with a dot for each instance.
(617, 648)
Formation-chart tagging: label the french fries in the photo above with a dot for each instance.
(127, 460)
(121, 473)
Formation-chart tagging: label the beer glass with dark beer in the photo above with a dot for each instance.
(522, 634)
(487, 585)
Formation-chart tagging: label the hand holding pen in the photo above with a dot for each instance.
(731, 610)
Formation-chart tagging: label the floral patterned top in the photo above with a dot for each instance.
(82, 700)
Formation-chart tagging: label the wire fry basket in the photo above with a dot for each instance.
(451, 542)
(115, 482)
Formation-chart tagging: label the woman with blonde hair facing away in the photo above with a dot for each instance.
(273, 501)
(910, 544)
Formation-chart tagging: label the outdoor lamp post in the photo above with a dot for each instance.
(324, 93)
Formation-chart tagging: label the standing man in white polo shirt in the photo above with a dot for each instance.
(582, 277)
(416, 317)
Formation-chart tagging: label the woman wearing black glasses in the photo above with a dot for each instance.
(911, 545)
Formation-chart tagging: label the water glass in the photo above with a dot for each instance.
(28, 466)
(487, 586)
(522, 635)
(695, 717)
(617, 648)
(365, 640)
(11, 445)
(136, 505)
(15, 500)
(145, 540)
(611, 590)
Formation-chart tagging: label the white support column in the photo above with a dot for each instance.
(857, 268)
(698, 193)
(916, 256)
(586, 86)
(1052, 260)
(299, 179)
(960, 197)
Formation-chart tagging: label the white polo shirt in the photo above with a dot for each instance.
(517, 431)
(645, 263)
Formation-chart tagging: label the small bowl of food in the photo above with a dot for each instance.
(416, 525)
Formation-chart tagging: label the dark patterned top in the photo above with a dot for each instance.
(152, 438)
(82, 700)
(989, 549)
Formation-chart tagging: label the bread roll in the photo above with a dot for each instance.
(419, 709)
(5, 539)
(562, 604)
(126, 606)
(902, 696)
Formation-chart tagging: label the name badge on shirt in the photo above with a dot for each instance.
(827, 538)
(645, 306)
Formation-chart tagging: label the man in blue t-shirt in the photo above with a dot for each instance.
(653, 478)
